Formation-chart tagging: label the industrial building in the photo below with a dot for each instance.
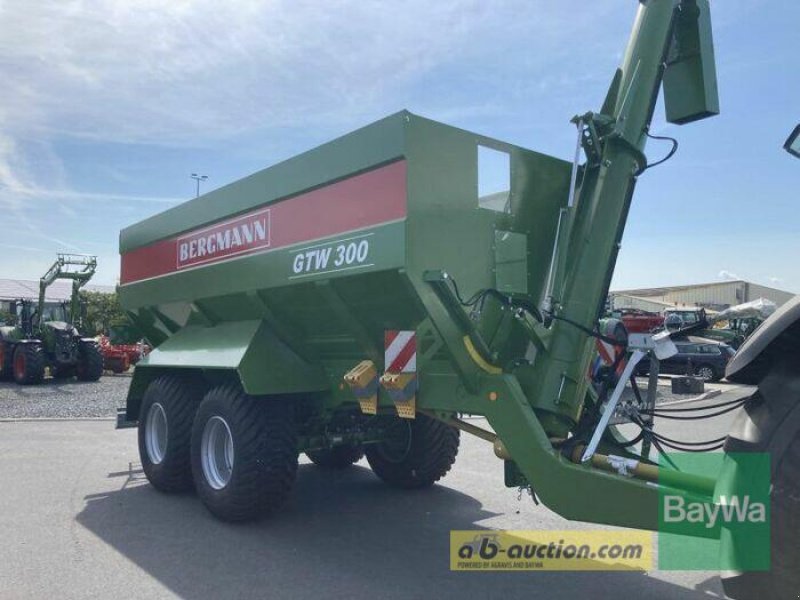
(715, 296)
(58, 292)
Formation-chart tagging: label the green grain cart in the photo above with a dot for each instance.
(358, 298)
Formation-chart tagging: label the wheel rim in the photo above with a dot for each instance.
(397, 444)
(19, 365)
(155, 433)
(216, 452)
(706, 373)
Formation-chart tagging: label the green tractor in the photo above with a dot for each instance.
(47, 336)
(731, 326)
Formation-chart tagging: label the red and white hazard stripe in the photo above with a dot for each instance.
(606, 351)
(609, 353)
(400, 351)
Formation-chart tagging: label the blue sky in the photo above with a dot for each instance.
(108, 105)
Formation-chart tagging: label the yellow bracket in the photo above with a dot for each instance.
(361, 375)
(402, 389)
(406, 409)
(397, 381)
(478, 359)
(363, 381)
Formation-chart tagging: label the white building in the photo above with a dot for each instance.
(59, 291)
(715, 296)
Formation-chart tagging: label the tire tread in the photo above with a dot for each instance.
(265, 446)
(434, 447)
(34, 363)
(90, 362)
(180, 398)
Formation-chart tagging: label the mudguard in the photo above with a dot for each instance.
(263, 363)
(780, 333)
(768, 422)
(770, 419)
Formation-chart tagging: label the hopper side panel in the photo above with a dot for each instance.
(362, 201)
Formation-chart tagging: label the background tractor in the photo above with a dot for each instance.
(732, 326)
(46, 335)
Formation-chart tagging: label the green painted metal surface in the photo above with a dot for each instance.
(251, 348)
(511, 261)
(290, 277)
(690, 79)
(332, 314)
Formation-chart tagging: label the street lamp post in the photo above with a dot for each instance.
(198, 179)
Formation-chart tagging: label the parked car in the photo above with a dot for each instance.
(696, 356)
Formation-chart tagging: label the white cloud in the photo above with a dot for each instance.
(21, 247)
(8, 170)
(728, 276)
(64, 194)
(170, 72)
(190, 73)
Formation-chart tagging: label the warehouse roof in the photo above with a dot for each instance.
(660, 291)
(59, 291)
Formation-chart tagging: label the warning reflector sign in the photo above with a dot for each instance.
(400, 351)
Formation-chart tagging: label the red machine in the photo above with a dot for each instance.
(119, 357)
(640, 321)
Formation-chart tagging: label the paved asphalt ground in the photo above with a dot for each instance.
(78, 520)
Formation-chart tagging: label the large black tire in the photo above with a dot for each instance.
(416, 452)
(254, 468)
(785, 513)
(783, 578)
(90, 362)
(6, 361)
(63, 372)
(338, 457)
(28, 364)
(118, 365)
(178, 398)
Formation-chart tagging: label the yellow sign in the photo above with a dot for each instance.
(596, 550)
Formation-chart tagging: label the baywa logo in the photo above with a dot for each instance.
(726, 527)
(732, 509)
